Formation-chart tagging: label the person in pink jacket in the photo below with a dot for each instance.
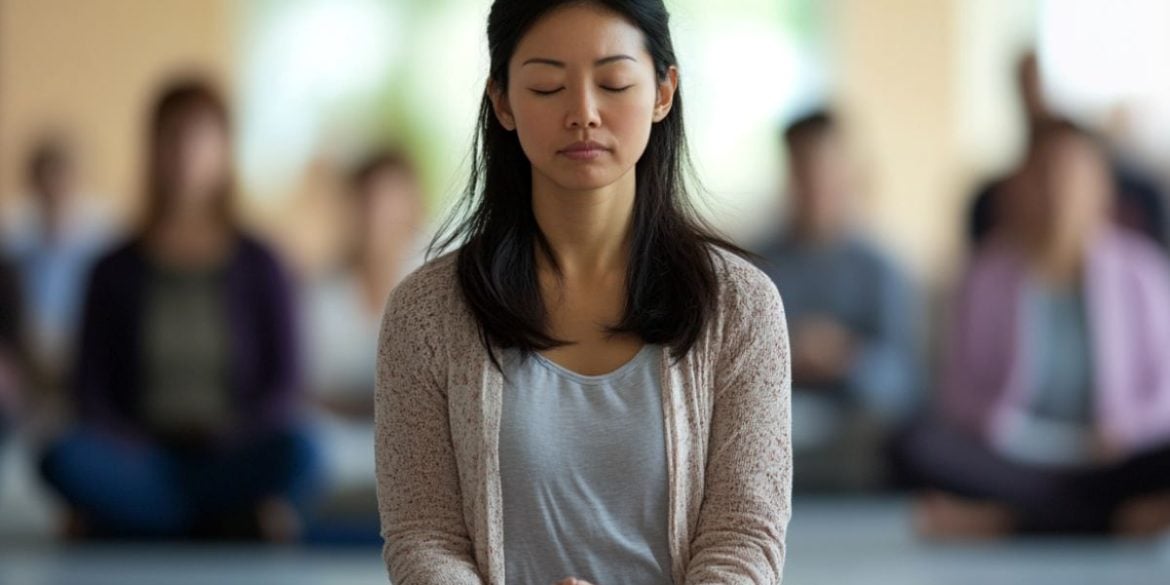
(1054, 411)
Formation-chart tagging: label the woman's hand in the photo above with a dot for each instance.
(573, 581)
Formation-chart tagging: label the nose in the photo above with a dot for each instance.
(583, 111)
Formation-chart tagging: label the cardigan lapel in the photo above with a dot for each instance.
(673, 412)
(491, 403)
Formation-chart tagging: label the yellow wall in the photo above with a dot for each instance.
(92, 67)
(896, 69)
(927, 88)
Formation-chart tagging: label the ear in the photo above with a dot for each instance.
(500, 105)
(665, 95)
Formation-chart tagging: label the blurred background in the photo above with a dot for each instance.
(947, 193)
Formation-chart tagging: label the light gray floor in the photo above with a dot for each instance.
(832, 542)
(870, 542)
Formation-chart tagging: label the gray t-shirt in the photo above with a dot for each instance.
(584, 473)
(1055, 427)
(1063, 366)
(184, 351)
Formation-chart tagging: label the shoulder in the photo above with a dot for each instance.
(994, 259)
(745, 291)
(1142, 261)
(1135, 245)
(426, 298)
(874, 259)
(255, 253)
(866, 250)
(421, 316)
(122, 259)
(429, 287)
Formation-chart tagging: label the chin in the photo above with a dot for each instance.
(582, 185)
(584, 179)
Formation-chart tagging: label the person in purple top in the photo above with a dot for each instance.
(186, 377)
(1054, 410)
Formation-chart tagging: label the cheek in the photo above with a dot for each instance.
(391, 208)
(204, 158)
(537, 120)
(631, 120)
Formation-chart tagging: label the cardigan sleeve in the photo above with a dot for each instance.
(93, 377)
(743, 520)
(425, 538)
(276, 400)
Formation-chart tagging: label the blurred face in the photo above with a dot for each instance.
(195, 158)
(819, 184)
(54, 183)
(391, 206)
(582, 96)
(1074, 189)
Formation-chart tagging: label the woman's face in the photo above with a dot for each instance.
(196, 158)
(582, 96)
(1075, 188)
(390, 208)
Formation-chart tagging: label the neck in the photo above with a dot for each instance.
(1060, 261)
(188, 220)
(588, 231)
(190, 238)
(378, 271)
(52, 216)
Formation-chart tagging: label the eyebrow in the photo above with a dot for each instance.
(561, 64)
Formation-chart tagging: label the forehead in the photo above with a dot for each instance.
(580, 33)
(193, 120)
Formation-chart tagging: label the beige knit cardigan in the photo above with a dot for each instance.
(725, 406)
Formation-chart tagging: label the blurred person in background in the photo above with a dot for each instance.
(855, 370)
(186, 381)
(1054, 412)
(13, 359)
(54, 238)
(343, 311)
(1140, 202)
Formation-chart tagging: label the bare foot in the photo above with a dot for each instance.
(279, 521)
(940, 516)
(1143, 517)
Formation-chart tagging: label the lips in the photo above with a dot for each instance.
(586, 150)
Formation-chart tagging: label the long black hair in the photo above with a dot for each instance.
(671, 282)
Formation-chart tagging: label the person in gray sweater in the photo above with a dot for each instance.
(853, 322)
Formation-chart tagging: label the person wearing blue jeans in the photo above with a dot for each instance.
(134, 489)
(187, 380)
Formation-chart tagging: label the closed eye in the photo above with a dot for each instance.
(547, 91)
(616, 89)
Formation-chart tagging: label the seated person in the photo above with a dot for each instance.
(343, 313)
(186, 380)
(1054, 413)
(851, 319)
